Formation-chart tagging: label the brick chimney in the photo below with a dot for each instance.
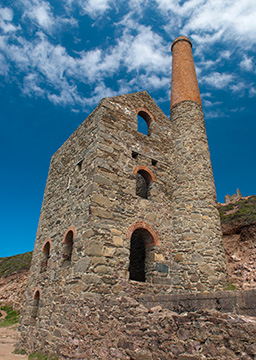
(197, 245)
(184, 80)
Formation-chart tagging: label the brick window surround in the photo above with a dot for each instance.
(143, 225)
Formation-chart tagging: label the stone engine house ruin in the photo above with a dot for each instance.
(125, 212)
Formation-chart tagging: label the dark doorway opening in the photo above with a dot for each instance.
(140, 240)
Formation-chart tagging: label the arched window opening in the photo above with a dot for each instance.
(139, 261)
(143, 121)
(68, 246)
(35, 305)
(143, 181)
(45, 256)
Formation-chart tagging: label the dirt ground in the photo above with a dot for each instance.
(8, 339)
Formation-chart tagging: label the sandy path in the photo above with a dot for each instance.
(8, 339)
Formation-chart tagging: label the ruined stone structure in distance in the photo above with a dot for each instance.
(125, 212)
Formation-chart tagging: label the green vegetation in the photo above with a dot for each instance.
(11, 318)
(245, 213)
(40, 356)
(230, 287)
(19, 352)
(11, 264)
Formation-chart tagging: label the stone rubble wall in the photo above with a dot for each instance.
(123, 328)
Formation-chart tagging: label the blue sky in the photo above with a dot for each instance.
(59, 58)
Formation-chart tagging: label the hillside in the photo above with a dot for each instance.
(238, 221)
(14, 272)
(10, 265)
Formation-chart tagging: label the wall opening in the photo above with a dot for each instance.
(45, 256)
(143, 122)
(143, 181)
(139, 254)
(134, 155)
(35, 305)
(79, 164)
(68, 246)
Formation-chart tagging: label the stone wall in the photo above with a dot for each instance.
(125, 328)
(97, 230)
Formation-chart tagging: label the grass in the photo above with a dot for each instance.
(19, 352)
(40, 356)
(11, 318)
(12, 264)
(245, 214)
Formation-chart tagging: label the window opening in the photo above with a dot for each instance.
(45, 256)
(134, 154)
(79, 164)
(35, 305)
(143, 121)
(154, 162)
(143, 180)
(139, 259)
(68, 246)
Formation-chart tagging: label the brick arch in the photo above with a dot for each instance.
(145, 168)
(143, 225)
(144, 111)
(71, 228)
(48, 240)
(37, 290)
(45, 256)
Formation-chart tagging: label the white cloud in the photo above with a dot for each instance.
(140, 52)
(212, 20)
(30, 86)
(239, 88)
(142, 48)
(252, 92)
(41, 14)
(247, 63)
(217, 80)
(93, 8)
(146, 51)
(4, 66)
(208, 103)
(6, 16)
(214, 114)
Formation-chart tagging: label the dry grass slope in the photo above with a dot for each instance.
(12, 264)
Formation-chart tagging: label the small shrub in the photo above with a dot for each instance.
(230, 287)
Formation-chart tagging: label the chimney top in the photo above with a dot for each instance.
(181, 38)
